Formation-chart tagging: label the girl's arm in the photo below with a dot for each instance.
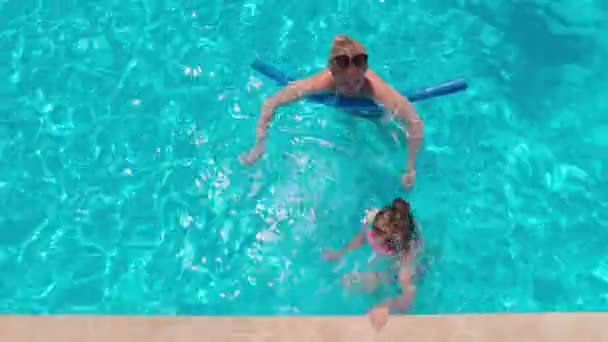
(356, 242)
(359, 239)
(406, 275)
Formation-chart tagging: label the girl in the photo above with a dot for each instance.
(394, 238)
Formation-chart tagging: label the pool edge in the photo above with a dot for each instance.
(590, 326)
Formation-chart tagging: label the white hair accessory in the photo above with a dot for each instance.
(370, 215)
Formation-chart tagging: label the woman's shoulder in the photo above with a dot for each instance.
(320, 81)
(373, 78)
(375, 84)
(324, 77)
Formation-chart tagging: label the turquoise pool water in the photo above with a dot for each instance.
(121, 123)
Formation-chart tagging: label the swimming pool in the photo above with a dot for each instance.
(121, 123)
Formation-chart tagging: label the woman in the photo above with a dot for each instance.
(347, 74)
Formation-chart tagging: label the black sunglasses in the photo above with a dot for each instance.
(344, 61)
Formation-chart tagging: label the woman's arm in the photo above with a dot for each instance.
(292, 92)
(403, 108)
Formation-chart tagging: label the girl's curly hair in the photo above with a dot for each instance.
(396, 223)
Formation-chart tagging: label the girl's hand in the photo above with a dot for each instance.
(332, 255)
(378, 316)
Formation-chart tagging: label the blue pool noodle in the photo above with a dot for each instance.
(362, 104)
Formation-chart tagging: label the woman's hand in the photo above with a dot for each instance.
(408, 178)
(253, 155)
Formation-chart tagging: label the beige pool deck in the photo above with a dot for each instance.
(580, 327)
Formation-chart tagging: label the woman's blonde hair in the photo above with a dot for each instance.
(345, 45)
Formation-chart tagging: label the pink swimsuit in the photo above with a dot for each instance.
(375, 245)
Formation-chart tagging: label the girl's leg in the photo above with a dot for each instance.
(424, 265)
(366, 281)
